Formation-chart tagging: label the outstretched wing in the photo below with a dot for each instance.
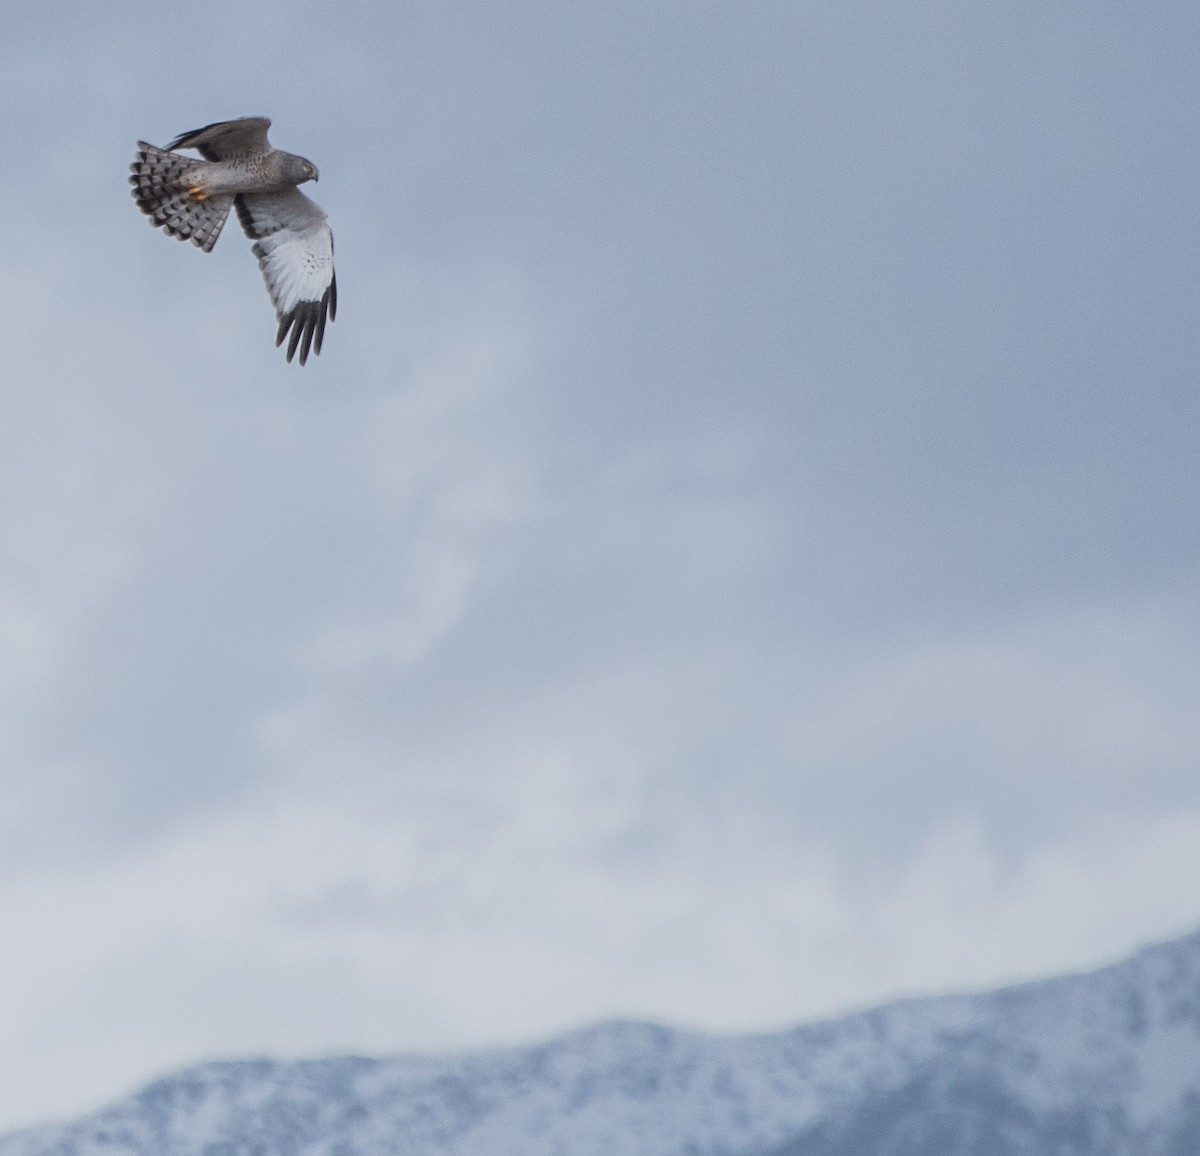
(227, 138)
(294, 247)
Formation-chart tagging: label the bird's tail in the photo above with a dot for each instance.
(169, 189)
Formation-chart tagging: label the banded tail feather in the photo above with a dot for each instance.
(160, 187)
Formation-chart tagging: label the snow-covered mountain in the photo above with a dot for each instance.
(1106, 1063)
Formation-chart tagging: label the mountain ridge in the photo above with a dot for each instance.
(1103, 1063)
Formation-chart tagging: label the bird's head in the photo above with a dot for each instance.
(300, 170)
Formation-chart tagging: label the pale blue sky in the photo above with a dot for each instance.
(734, 560)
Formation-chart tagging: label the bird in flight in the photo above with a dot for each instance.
(190, 199)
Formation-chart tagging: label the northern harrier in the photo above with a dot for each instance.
(190, 199)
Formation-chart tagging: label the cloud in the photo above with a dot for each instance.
(298, 928)
(733, 560)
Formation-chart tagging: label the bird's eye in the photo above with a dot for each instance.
(309, 169)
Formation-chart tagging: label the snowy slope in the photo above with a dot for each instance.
(1107, 1063)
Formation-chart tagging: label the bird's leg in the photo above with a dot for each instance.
(192, 185)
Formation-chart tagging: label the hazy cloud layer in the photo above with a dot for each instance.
(734, 559)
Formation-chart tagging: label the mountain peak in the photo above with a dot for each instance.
(1107, 1062)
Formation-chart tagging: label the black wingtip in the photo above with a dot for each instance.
(181, 141)
(306, 340)
(319, 336)
(306, 325)
(294, 340)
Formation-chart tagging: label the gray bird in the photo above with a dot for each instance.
(191, 199)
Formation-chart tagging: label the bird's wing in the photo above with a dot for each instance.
(227, 138)
(294, 247)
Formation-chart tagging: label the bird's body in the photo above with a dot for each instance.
(190, 199)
